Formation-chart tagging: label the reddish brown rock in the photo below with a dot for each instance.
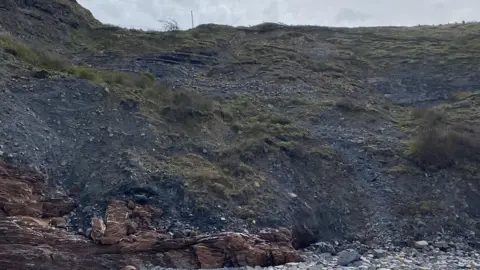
(126, 240)
(282, 235)
(59, 222)
(19, 194)
(58, 207)
(98, 229)
(209, 257)
(143, 215)
(132, 227)
(116, 218)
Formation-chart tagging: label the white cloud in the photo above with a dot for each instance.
(146, 13)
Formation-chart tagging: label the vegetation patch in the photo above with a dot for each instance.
(440, 143)
(216, 184)
(35, 57)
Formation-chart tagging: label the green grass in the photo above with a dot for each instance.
(112, 77)
(36, 58)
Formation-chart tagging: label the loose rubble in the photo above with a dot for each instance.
(406, 258)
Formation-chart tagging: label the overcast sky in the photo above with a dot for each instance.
(146, 13)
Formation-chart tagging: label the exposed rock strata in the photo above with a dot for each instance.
(35, 236)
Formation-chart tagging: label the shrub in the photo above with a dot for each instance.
(441, 146)
(84, 72)
(170, 25)
(346, 104)
(428, 117)
(145, 80)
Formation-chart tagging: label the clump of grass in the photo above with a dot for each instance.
(35, 57)
(347, 104)
(186, 106)
(84, 72)
(217, 179)
(143, 81)
(428, 117)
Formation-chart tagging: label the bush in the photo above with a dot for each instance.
(428, 117)
(347, 104)
(441, 146)
(84, 72)
(170, 25)
(145, 80)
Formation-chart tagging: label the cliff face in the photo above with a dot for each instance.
(35, 227)
(363, 134)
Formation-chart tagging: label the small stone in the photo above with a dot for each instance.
(323, 247)
(129, 267)
(59, 222)
(348, 256)
(421, 244)
(131, 204)
(441, 245)
(379, 253)
(98, 229)
(292, 195)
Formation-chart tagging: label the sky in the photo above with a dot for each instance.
(350, 13)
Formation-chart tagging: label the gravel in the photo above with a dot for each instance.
(391, 257)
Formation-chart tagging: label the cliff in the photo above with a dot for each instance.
(367, 134)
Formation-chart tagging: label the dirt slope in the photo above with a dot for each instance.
(362, 133)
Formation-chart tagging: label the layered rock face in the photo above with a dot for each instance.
(36, 236)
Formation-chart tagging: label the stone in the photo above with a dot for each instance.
(421, 244)
(379, 253)
(58, 207)
(132, 227)
(42, 74)
(59, 222)
(346, 257)
(323, 247)
(442, 245)
(98, 229)
(117, 216)
(129, 267)
(131, 205)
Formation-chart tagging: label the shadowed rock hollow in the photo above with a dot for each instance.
(147, 141)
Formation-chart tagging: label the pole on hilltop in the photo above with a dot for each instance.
(191, 13)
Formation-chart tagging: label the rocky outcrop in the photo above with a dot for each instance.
(36, 235)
